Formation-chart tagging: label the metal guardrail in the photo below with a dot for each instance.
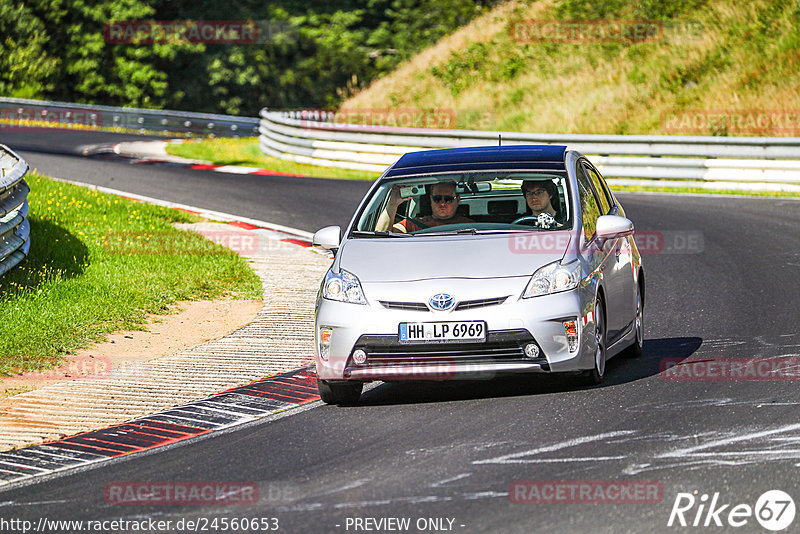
(14, 227)
(314, 137)
(24, 111)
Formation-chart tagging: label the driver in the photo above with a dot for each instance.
(444, 203)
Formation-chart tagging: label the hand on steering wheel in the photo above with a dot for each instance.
(415, 221)
(527, 218)
(543, 220)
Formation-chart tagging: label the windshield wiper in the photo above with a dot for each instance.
(475, 231)
(376, 233)
(462, 231)
(503, 231)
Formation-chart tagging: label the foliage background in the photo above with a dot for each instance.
(714, 66)
(55, 49)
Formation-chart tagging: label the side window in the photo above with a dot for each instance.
(601, 190)
(589, 207)
(369, 217)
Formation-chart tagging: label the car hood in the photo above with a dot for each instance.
(463, 256)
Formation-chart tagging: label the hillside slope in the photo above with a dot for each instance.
(705, 67)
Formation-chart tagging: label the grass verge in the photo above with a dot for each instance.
(99, 263)
(246, 152)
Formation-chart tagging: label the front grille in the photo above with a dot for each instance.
(500, 346)
(413, 306)
(463, 305)
(480, 303)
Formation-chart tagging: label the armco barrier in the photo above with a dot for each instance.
(315, 137)
(31, 112)
(14, 227)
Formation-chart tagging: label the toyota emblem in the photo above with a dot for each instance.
(442, 302)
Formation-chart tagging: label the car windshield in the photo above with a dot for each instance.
(485, 202)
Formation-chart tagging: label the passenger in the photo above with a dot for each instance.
(444, 204)
(541, 197)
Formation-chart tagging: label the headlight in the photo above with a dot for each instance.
(343, 287)
(553, 278)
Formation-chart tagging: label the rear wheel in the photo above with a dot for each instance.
(333, 393)
(595, 375)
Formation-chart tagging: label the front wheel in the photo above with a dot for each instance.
(594, 376)
(332, 393)
(635, 350)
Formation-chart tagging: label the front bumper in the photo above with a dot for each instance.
(388, 358)
(511, 324)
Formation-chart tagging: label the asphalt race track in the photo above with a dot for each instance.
(307, 204)
(722, 284)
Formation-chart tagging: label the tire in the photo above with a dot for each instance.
(635, 350)
(594, 376)
(340, 394)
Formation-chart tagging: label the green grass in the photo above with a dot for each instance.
(246, 152)
(99, 263)
(727, 58)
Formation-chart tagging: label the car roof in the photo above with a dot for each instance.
(480, 158)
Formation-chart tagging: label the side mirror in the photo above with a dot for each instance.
(328, 238)
(611, 227)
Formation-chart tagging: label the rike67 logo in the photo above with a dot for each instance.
(774, 510)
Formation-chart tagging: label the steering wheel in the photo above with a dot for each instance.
(415, 221)
(527, 218)
(543, 220)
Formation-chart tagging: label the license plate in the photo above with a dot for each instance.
(443, 332)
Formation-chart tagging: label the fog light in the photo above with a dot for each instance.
(325, 343)
(531, 350)
(359, 357)
(571, 329)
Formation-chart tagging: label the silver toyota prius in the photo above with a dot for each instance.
(468, 263)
